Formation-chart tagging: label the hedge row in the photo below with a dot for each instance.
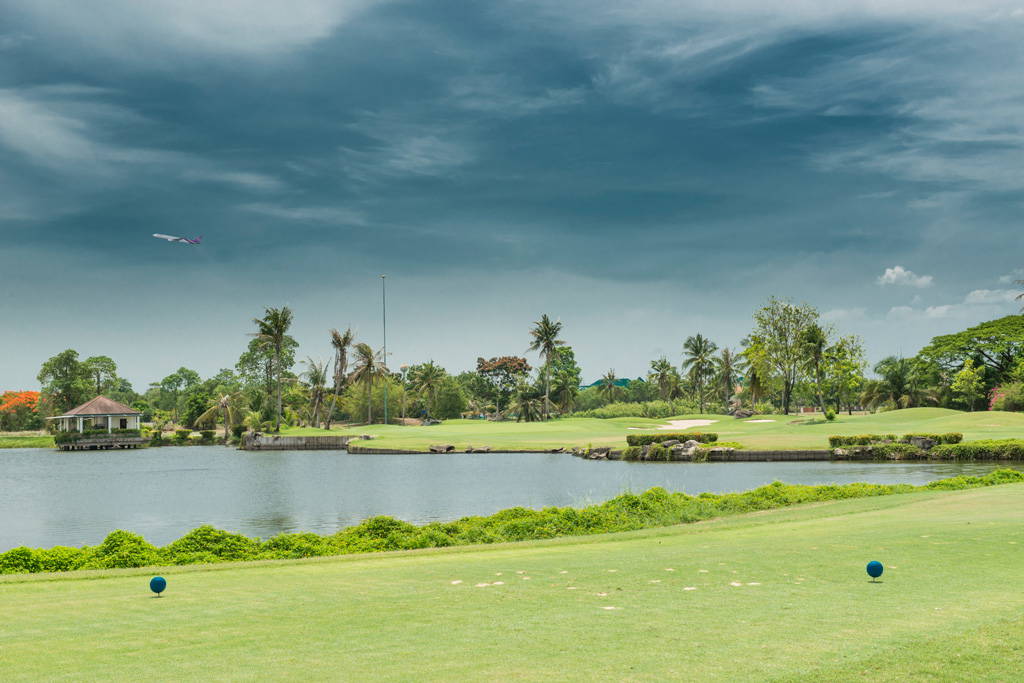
(657, 507)
(644, 439)
(868, 439)
(989, 449)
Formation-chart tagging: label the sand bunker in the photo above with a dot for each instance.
(681, 424)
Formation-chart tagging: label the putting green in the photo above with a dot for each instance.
(774, 595)
(778, 432)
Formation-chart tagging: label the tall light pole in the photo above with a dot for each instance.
(384, 321)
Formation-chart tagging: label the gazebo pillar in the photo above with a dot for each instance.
(79, 425)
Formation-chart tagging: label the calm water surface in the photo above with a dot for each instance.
(51, 498)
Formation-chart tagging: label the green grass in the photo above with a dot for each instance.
(26, 442)
(786, 432)
(946, 609)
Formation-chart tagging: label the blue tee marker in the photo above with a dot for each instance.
(874, 570)
(157, 584)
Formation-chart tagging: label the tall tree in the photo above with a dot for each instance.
(231, 409)
(699, 361)
(726, 368)
(65, 382)
(368, 365)
(272, 331)
(665, 375)
(502, 375)
(316, 376)
(969, 383)
(844, 370)
(340, 342)
(608, 387)
(545, 340)
(102, 373)
(778, 333)
(814, 341)
(426, 380)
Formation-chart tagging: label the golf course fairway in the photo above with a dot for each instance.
(776, 595)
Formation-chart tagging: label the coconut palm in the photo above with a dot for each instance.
(726, 367)
(230, 407)
(526, 403)
(426, 380)
(545, 339)
(368, 365)
(900, 383)
(814, 342)
(341, 343)
(607, 386)
(699, 355)
(565, 388)
(666, 377)
(316, 376)
(272, 331)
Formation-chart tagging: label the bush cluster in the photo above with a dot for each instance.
(644, 439)
(870, 439)
(986, 449)
(656, 507)
(651, 409)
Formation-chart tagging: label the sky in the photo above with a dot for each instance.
(641, 171)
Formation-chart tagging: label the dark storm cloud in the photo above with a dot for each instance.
(650, 163)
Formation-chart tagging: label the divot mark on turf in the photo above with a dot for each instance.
(702, 571)
(456, 582)
(498, 583)
(526, 578)
(570, 588)
(655, 580)
(563, 572)
(754, 583)
(735, 583)
(601, 595)
(482, 585)
(690, 588)
(669, 569)
(612, 571)
(609, 608)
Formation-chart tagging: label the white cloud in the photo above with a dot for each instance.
(129, 28)
(400, 147)
(311, 214)
(845, 314)
(1017, 274)
(898, 275)
(991, 296)
(242, 179)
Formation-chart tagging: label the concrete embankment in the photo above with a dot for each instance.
(273, 442)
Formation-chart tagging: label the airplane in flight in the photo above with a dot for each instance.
(174, 238)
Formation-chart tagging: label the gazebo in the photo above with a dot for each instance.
(99, 413)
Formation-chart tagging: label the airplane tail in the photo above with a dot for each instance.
(197, 240)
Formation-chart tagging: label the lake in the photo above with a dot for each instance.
(73, 498)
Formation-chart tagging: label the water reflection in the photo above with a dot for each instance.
(51, 498)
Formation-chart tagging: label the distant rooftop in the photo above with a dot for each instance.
(101, 405)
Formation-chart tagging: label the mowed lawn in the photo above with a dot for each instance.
(780, 595)
(782, 432)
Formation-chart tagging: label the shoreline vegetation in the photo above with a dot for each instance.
(626, 512)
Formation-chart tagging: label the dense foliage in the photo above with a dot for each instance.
(19, 411)
(654, 508)
(868, 439)
(644, 439)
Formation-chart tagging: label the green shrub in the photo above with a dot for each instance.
(122, 549)
(951, 437)
(181, 435)
(20, 560)
(206, 435)
(218, 543)
(632, 453)
(237, 431)
(897, 451)
(1008, 397)
(990, 449)
(649, 409)
(830, 415)
(860, 440)
(658, 452)
(645, 439)
(61, 558)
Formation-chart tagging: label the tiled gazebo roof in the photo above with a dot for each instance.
(101, 405)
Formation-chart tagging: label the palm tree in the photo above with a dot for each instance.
(426, 380)
(608, 387)
(814, 342)
(229, 408)
(699, 359)
(900, 383)
(341, 342)
(545, 339)
(272, 330)
(666, 377)
(726, 366)
(526, 404)
(566, 386)
(316, 375)
(368, 366)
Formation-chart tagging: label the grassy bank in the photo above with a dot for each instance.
(803, 609)
(627, 512)
(20, 441)
(780, 433)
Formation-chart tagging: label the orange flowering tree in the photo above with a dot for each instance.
(19, 410)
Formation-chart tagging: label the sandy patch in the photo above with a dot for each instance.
(618, 608)
(680, 424)
(735, 583)
(498, 583)
(759, 421)
(456, 582)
